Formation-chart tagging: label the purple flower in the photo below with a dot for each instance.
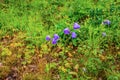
(48, 38)
(54, 41)
(103, 34)
(66, 31)
(106, 22)
(74, 35)
(56, 36)
(76, 26)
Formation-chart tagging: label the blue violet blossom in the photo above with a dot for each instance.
(76, 26)
(73, 35)
(56, 36)
(48, 38)
(54, 41)
(106, 22)
(66, 31)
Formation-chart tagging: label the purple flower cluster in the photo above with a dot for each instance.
(54, 39)
(73, 34)
(66, 32)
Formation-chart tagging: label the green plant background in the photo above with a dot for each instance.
(24, 25)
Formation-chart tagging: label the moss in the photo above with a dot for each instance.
(35, 76)
(4, 71)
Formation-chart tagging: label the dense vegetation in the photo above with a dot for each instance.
(59, 40)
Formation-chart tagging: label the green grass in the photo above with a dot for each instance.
(24, 25)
